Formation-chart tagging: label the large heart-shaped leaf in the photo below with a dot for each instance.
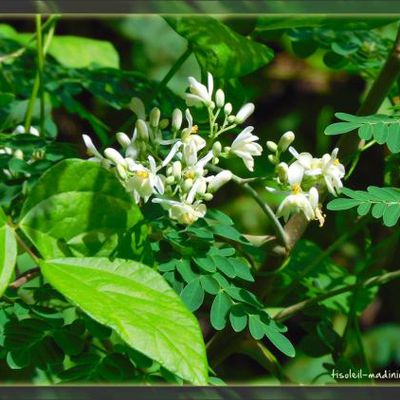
(220, 50)
(78, 208)
(139, 305)
(8, 252)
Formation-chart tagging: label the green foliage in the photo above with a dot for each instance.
(219, 49)
(321, 278)
(137, 303)
(64, 212)
(79, 52)
(8, 252)
(206, 269)
(384, 129)
(381, 202)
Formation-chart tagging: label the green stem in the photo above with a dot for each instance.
(179, 62)
(174, 69)
(280, 232)
(26, 248)
(39, 75)
(40, 65)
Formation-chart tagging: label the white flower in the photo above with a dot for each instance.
(183, 212)
(244, 113)
(217, 181)
(298, 201)
(333, 172)
(199, 93)
(244, 146)
(297, 169)
(144, 182)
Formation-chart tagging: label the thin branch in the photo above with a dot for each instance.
(25, 277)
(179, 62)
(26, 247)
(280, 232)
(298, 307)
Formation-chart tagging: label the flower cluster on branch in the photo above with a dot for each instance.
(166, 159)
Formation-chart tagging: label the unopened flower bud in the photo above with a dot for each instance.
(208, 196)
(244, 113)
(19, 154)
(216, 149)
(202, 188)
(187, 184)
(228, 108)
(219, 180)
(176, 119)
(282, 171)
(114, 156)
(123, 139)
(143, 132)
(137, 106)
(122, 172)
(215, 160)
(177, 169)
(273, 159)
(231, 118)
(169, 180)
(154, 117)
(220, 98)
(164, 123)
(286, 140)
(272, 146)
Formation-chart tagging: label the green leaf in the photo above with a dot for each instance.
(81, 52)
(8, 252)
(219, 49)
(339, 128)
(193, 295)
(393, 138)
(209, 284)
(242, 270)
(384, 202)
(342, 204)
(78, 208)
(280, 341)
(139, 305)
(29, 342)
(256, 326)
(219, 310)
(238, 318)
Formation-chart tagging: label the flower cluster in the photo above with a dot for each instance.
(168, 160)
(303, 178)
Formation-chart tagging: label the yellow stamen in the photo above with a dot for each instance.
(195, 129)
(296, 189)
(189, 175)
(142, 174)
(336, 162)
(188, 219)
